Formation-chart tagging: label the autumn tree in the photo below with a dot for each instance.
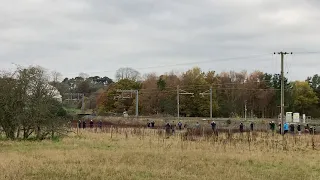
(231, 95)
(149, 95)
(259, 92)
(231, 91)
(108, 101)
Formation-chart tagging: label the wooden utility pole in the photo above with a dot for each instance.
(282, 89)
(178, 102)
(211, 103)
(245, 110)
(137, 103)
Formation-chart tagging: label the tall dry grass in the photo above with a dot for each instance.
(133, 153)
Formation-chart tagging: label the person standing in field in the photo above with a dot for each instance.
(180, 125)
(79, 124)
(167, 128)
(148, 124)
(285, 127)
(273, 126)
(270, 125)
(152, 124)
(84, 124)
(306, 128)
(251, 126)
(197, 125)
(312, 130)
(100, 124)
(213, 126)
(91, 123)
(173, 127)
(299, 129)
(292, 129)
(280, 127)
(241, 127)
(185, 125)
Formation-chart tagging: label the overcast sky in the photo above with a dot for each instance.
(99, 36)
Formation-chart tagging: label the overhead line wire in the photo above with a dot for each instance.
(190, 63)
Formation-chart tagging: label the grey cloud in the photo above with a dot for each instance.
(102, 35)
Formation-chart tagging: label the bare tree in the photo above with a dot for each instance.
(84, 75)
(56, 76)
(127, 73)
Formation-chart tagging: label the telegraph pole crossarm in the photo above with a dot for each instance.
(181, 92)
(128, 97)
(185, 92)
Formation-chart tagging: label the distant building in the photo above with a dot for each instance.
(52, 91)
(55, 92)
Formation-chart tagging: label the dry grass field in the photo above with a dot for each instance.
(148, 154)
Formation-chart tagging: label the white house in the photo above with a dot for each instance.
(56, 94)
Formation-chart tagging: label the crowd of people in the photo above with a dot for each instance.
(286, 128)
(83, 124)
(292, 128)
(171, 127)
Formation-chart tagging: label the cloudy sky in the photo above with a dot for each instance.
(99, 36)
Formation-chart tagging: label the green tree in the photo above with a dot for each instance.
(314, 82)
(161, 84)
(276, 101)
(194, 81)
(303, 97)
(167, 97)
(29, 104)
(213, 80)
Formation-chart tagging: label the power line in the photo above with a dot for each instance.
(173, 92)
(146, 91)
(307, 52)
(208, 61)
(190, 63)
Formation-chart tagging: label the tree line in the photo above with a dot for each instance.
(232, 91)
(31, 105)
